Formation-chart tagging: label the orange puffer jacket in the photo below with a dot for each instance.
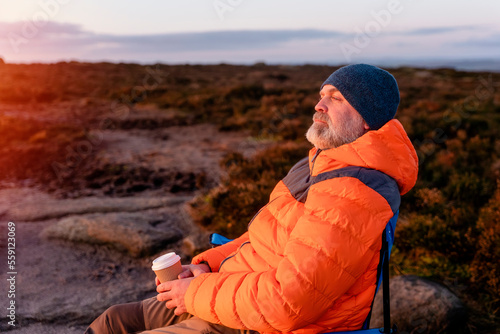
(308, 262)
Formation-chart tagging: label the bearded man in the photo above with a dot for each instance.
(308, 263)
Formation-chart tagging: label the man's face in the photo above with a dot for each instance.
(336, 122)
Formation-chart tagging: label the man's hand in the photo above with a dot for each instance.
(173, 292)
(193, 270)
(190, 270)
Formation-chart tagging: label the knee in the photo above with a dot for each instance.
(105, 322)
(113, 312)
(121, 318)
(116, 319)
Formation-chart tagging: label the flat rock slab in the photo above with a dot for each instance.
(41, 328)
(32, 205)
(63, 283)
(420, 306)
(137, 233)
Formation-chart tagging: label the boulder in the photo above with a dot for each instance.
(138, 234)
(420, 306)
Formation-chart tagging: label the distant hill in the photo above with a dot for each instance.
(471, 65)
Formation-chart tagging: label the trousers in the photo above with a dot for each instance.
(151, 316)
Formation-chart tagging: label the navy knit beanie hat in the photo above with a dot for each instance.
(372, 91)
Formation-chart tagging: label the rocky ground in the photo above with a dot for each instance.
(79, 251)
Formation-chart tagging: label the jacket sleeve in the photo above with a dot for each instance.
(330, 247)
(214, 256)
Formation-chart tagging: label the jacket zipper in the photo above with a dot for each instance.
(247, 242)
(255, 216)
(314, 160)
(227, 258)
(265, 206)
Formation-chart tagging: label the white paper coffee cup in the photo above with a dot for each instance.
(167, 267)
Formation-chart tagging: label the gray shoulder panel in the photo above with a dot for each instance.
(299, 180)
(382, 183)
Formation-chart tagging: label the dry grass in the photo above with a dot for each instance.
(449, 220)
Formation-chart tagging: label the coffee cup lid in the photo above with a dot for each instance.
(165, 261)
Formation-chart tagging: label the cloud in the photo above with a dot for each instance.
(72, 35)
(41, 28)
(438, 30)
(24, 42)
(491, 41)
(217, 40)
(53, 41)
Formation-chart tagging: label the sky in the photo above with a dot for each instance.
(391, 32)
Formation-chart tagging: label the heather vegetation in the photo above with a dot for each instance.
(450, 222)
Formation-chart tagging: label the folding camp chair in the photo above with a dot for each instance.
(382, 276)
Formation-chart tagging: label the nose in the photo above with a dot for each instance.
(321, 107)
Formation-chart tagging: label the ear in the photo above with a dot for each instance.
(366, 126)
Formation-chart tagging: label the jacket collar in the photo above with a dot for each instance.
(387, 149)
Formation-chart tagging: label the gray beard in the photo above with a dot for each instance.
(325, 137)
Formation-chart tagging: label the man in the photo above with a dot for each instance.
(308, 262)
